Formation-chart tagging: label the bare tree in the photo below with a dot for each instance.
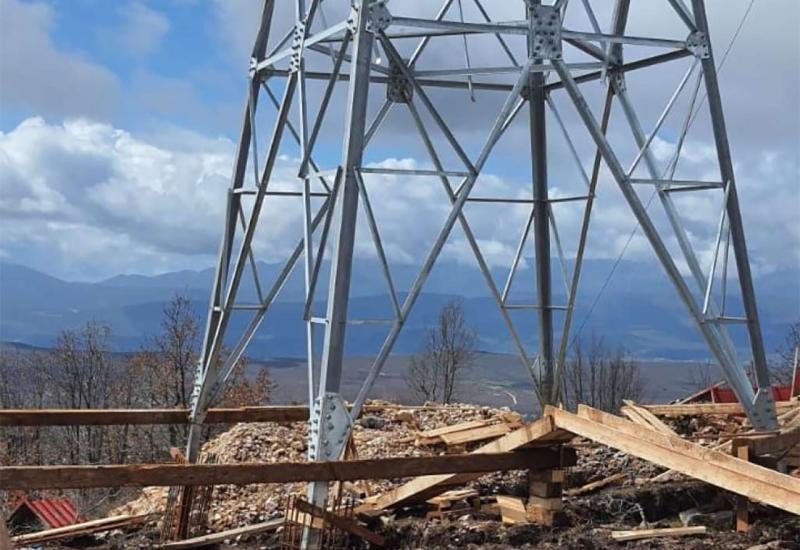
(434, 375)
(243, 391)
(600, 378)
(81, 374)
(782, 371)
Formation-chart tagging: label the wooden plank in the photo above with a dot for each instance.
(512, 510)
(649, 418)
(222, 536)
(595, 485)
(770, 444)
(345, 524)
(750, 480)
(426, 487)
(434, 434)
(453, 496)
(742, 504)
(710, 408)
(112, 417)
(131, 417)
(640, 534)
(94, 526)
(475, 434)
(145, 475)
(5, 540)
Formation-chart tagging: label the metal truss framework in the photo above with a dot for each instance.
(531, 78)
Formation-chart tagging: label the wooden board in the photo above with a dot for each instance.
(145, 475)
(214, 538)
(647, 417)
(453, 496)
(771, 443)
(435, 434)
(710, 408)
(750, 480)
(87, 527)
(639, 534)
(595, 485)
(426, 487)
(113, 417)
(512, 510)
(475, 434)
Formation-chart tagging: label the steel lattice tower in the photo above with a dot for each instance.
(546, 58)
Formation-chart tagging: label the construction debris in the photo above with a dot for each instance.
(232, 506)
(79, 529)
(447, 503)
(229, 535)
(595, 485)
(618, 458)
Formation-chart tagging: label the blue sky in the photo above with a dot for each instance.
(117, 122)
(148, 50)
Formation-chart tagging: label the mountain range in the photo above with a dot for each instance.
(637, 310)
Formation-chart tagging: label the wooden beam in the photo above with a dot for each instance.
(434, 434)
(639, 534)
(93, 526)
(595, 485)
(168, 475)
(131, 417)
(512, 510)
(742, 503)
(769, 444)
(222, 536)
(542, 431)
(5, 540)
(475, 434)
(710, 408)
(750, 480)
(640, 415)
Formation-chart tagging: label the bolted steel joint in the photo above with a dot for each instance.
(617, 79)
(378, 18)
(329, 428)
(399, 89)
(697, 43)
(298, 37)
(545, 24)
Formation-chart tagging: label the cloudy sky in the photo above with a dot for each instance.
(118, 123)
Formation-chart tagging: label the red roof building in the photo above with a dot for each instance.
(44, 513)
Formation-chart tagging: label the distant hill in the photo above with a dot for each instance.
(639, 310)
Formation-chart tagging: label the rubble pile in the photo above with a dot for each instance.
(711, 426)
(385, 430)
(597, 462)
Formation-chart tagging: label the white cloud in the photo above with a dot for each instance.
(39, 76)
(88, 199)
(144, 29)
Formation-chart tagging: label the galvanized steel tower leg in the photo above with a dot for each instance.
(763, 404)
(538, 17)
(330, 422)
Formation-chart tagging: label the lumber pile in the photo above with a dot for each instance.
(452, 502)
(464, 433)
(749, 480)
